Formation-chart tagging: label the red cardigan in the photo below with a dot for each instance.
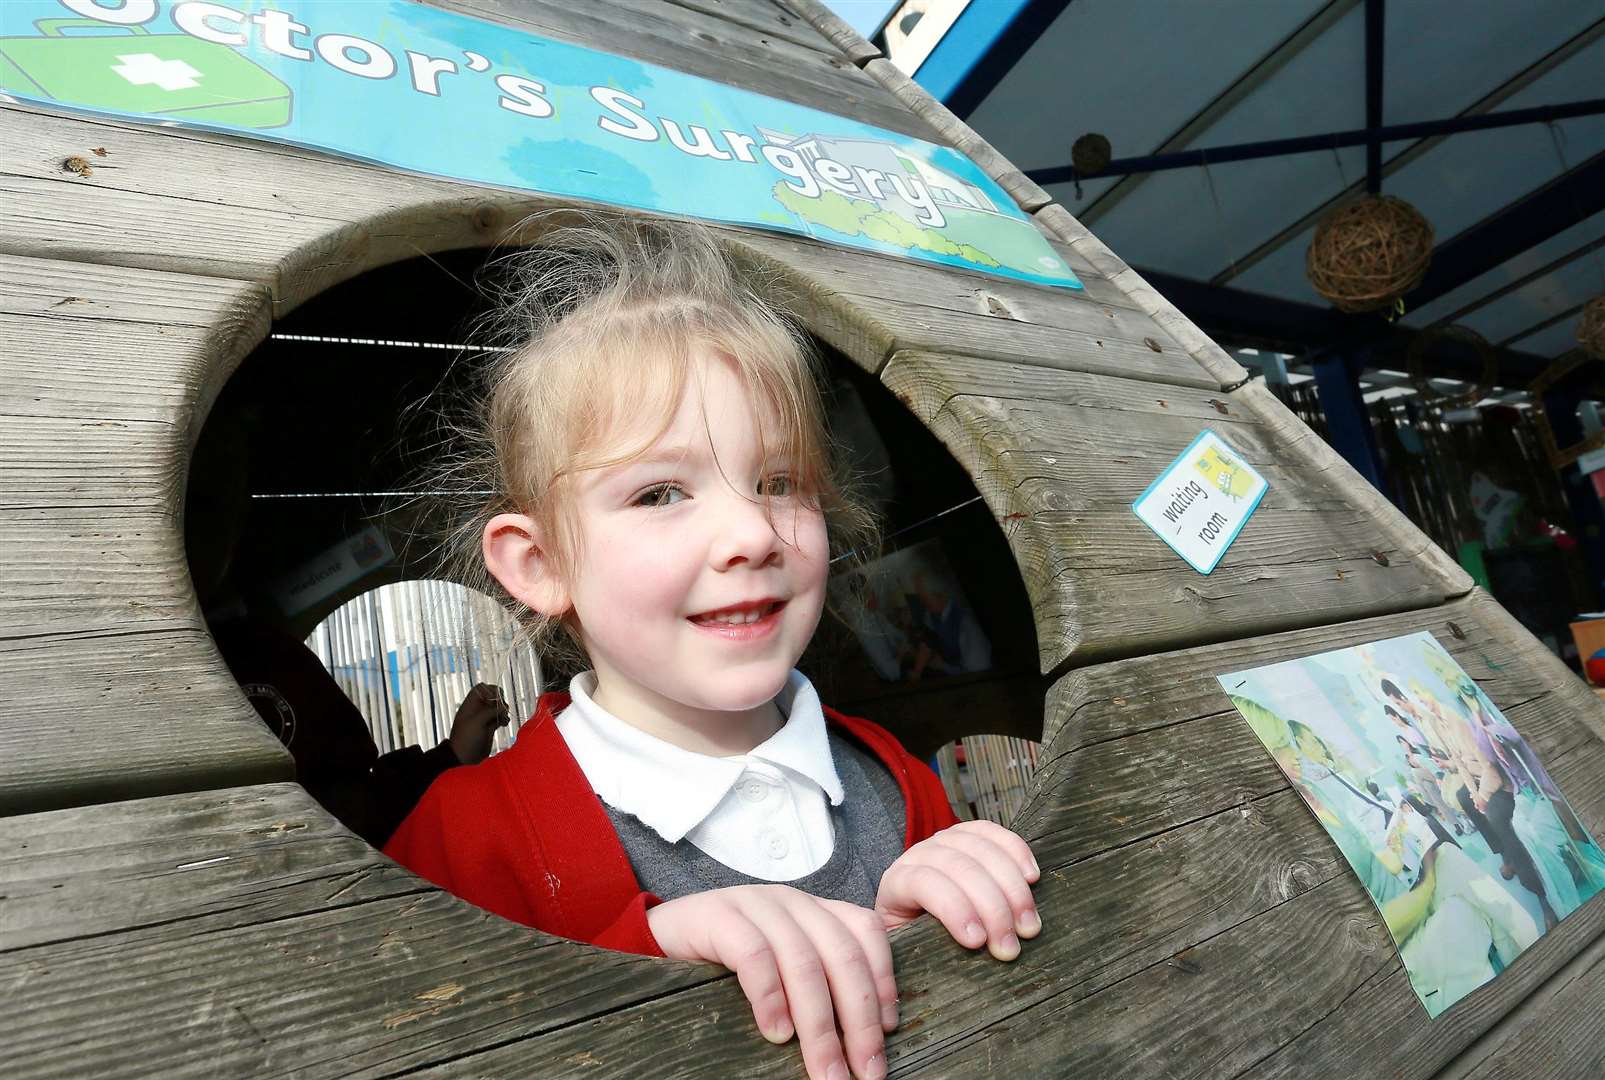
(523, 835)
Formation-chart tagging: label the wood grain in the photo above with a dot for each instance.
(241, 932)
(870, 306)
(1102, 584)
(833, 27)
(1060, 223)
(120, 714)
(955, 132)
(692, 41)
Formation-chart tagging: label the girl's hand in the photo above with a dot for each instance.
(805, 964)
(976, 878)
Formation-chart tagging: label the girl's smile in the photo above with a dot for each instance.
(749, 621)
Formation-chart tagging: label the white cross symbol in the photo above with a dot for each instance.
(143, 69)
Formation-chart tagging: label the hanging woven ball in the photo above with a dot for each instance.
(1368, 253)
(1591, 328)
(1444, 341)
(1091, 153)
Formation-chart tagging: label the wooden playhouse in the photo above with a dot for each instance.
(171, 903)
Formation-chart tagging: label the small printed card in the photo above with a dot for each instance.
(1202, 501)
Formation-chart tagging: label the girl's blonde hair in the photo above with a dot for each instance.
(600, 327)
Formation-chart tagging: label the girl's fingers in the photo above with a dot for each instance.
(807, 986)
(867, 927)
(934, 891)
(1005, 873)
(745, 949)
(1010, 841)
(985, 897)
(853, 986)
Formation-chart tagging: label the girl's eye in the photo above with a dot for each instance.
(778, 486)
(660, 495)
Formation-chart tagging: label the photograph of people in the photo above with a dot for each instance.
(911, 617)
(1443, 810)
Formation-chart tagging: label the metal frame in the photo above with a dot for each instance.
(1309, 144)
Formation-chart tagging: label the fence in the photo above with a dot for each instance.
(408, 653)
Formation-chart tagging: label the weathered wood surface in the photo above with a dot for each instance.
(770, 18)
(832, 26)
(109, 684)
(1199, 922)
(299, 222)
(123, 713)
(243, 932)
(1060, 456)
(870, 305)
(1558, 1031)
(955, 132)
(195, 202)
(687, 39)
(1059, 223)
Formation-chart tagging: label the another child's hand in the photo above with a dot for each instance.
(976, 878)
(805, 964)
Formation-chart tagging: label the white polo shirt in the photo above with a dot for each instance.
(765, 813)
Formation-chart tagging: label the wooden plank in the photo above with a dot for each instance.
(1147, 702)
(295, 221)
(58, 367)
(769, 18)
(870, 306)
(122, 715)
(1234, 914)
(1058, 222)
(1190, 945)
(218, 859)
(834, 27)
(1317, 454)
(76, 438)
(90, 570)
(218, 934)
(955, 132)
(1558, 1031)
(70, 290)
(691, 41)
(1061, 455)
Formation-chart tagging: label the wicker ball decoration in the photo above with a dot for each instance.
(1091, 153)
(1439, 339)
(1591, 328)
(1368, 253)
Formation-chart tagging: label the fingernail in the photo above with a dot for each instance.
(838, 1071)
(1009, 947)
(1030, 922)
(975, 934)
(1036, 871)
(888, 1016)
(875, 1067)
(779, 1032)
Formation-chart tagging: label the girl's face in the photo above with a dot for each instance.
(691, 594)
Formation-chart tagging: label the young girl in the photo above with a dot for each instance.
(666, 507)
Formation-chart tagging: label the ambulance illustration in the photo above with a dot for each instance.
(1224, 472)
(129, 69)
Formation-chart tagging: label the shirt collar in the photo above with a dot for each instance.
(672, 790)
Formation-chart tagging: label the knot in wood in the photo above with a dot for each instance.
(77, 166)
(997, 308)
(487, 218)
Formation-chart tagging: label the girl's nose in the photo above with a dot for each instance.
(744, 534)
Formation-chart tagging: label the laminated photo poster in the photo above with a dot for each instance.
(1460, 836)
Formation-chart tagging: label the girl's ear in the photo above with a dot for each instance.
(516, 555)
